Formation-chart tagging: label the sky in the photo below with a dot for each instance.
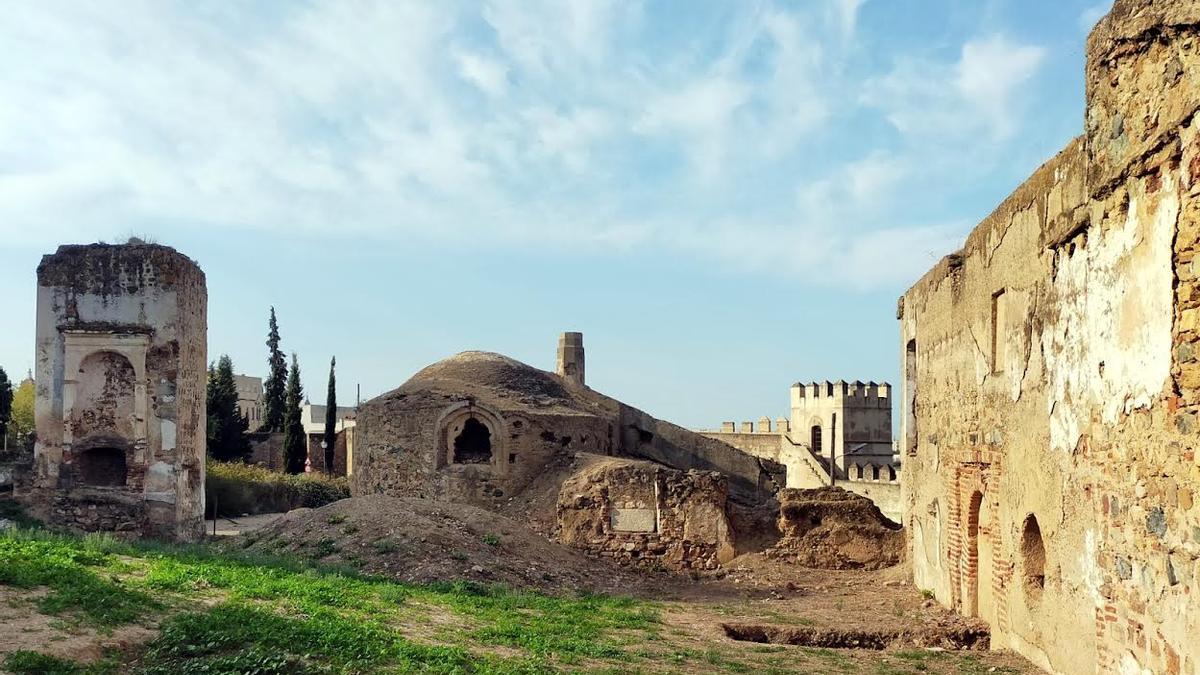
(724, 197)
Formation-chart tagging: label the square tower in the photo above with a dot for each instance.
(836, 419)
(121, 378)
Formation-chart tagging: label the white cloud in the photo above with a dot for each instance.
(587, 133)
(847, 16)
(489, 75)
(568, 136)
(980, 92)
(989, 74)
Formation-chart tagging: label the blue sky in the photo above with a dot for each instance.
(725, 197)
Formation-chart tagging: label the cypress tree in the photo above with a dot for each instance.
(295, 447)
(226, 426)
(277, 375)
(330, 418)
(6, 399)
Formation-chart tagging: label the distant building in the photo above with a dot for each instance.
(313, 419)
(250, 399)
(837, 433)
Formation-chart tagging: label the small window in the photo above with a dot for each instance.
(1033, 558)
(815, 437)
(999, 323)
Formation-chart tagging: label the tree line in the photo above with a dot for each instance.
(16, 414)
(227, 428)
(283, 396)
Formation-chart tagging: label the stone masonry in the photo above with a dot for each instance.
(1052, 379)
(645, 514)
(120, 403)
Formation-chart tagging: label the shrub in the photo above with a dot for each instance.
(385, 546)
(238, 489)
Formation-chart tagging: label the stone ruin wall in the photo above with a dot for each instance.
(1052, 380)
(120, 400)
(640, 514)
(752, 480)
(401, 449)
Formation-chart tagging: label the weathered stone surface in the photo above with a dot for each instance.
(632, 520)
(642, 513)
(1069, 322)
(120, 403)
(413, 440)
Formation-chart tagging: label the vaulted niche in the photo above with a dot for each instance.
(474, 444)
(101, 467)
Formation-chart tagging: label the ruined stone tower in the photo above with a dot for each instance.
(570, 358)
(120, 406)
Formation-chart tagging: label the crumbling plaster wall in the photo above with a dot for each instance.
(140, 310)
(1090, 426)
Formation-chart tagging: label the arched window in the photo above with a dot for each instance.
(891, 473)
(1033, 558)
(815, 437)
(874, 472)
(474, 444)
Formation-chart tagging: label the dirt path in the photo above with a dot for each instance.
(232, 527)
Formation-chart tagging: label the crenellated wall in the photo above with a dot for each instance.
(1052, 380)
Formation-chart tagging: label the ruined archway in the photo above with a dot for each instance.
(473, 445)
(105, 396)
(979, 563)
(470, 434)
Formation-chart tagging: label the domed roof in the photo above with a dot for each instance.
(489, 370)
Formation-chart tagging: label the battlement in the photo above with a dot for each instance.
(782, 426)
(872, 393)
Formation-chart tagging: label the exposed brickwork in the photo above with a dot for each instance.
(120, 403)
(1080, 406)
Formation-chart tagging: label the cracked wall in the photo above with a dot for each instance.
(1077, 404)
(120, 402)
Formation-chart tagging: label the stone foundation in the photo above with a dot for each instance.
(641, 513)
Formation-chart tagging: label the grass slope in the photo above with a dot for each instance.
(216, 613)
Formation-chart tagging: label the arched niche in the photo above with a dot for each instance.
(472, 435)
(104, 386)
(101, 461)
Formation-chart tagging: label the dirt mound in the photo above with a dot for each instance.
(419, 540)
(830, 528)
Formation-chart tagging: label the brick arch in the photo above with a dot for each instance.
(975, 490)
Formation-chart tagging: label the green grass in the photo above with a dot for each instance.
(73, 570)
(223, 613)
(32, 663)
